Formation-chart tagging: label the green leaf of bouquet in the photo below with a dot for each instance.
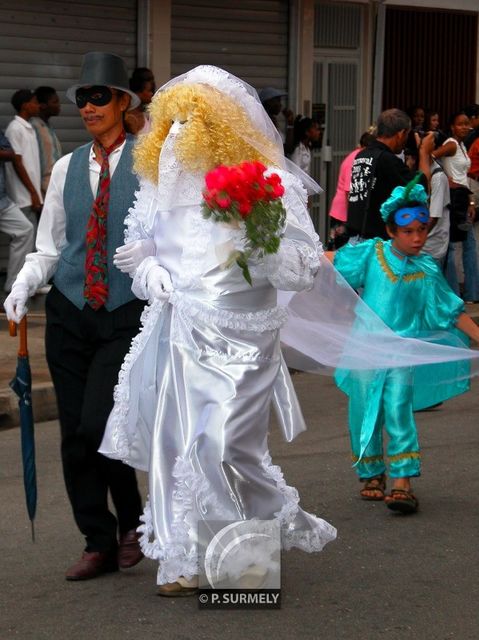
(243, 265)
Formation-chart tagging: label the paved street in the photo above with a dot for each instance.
(386, 576)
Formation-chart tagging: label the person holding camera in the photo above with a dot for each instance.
(456, 163)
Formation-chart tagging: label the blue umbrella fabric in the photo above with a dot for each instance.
(22, 386)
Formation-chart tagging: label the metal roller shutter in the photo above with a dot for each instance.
(437, 68)
(248, 38)
(42, 43)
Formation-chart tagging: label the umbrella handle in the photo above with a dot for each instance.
(23, 348)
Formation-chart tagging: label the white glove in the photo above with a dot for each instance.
(293, 267)
(129, 256)
(15, 304)
(158, 283)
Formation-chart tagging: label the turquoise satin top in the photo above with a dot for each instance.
(409, 294)
(414, 299)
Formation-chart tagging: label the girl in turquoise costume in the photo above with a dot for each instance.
(407, 290)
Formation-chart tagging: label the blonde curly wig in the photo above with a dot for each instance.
(209, 138)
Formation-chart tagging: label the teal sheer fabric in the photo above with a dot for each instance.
(412, 297)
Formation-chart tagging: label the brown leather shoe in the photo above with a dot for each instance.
(129, 551)
(91, 565)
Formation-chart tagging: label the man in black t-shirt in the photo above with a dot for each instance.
(377, 170)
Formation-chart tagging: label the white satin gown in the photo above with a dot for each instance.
(192, 405)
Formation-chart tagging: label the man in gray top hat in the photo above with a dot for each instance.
(92, 314)
(271, 101)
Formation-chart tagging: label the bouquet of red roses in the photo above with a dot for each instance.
(241, 194)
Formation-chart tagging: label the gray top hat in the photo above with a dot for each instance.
(270, 92)
(106, 70)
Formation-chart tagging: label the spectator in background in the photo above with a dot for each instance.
(141, 74)
(411, 157)
(48, 142)
(339, 205)
(418, 116)
(12, 220)
(456, 164)
(472, 112)
(282, 118)
(23, 175)
(307, 132)
(432, 121)
(473, 173)
(437, 241)
(377, 170)
(142, 83)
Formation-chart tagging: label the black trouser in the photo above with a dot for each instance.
(85, 350)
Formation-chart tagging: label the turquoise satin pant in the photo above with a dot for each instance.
(377, 400)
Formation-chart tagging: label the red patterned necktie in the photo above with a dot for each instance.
(96, 267)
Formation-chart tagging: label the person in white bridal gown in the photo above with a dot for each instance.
(193, 400)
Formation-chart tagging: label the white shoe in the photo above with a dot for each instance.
(253, 578)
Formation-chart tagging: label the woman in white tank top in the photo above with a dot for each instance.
(456, 163)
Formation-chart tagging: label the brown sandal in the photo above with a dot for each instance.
(402, 500)
(376, 484)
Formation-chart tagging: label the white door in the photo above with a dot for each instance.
(336, 105)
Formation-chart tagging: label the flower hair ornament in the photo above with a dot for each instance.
(407, 203)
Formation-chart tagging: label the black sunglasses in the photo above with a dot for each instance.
(99, 96)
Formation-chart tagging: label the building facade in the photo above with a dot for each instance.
(342, 62)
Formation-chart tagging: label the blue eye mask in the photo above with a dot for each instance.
(406, 215)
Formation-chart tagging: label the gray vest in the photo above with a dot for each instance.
(78, 202)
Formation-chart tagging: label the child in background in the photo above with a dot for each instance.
(407, 290)
(307, 132)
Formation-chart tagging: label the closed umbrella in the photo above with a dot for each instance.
(22, 386)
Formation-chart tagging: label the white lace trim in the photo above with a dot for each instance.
(258, 321)
(121, 395)
(194, 251)
(141, 216)
(174, 560)
(312, 540)
(176, 187)
(179, 556)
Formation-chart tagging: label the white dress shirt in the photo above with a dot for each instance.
(302, 157)
(23, 140)
(40, 266)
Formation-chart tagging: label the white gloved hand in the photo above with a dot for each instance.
(129, 256)
(15, 304)
(293, 267)
(158, 283)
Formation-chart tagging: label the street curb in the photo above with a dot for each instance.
(44, 405)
